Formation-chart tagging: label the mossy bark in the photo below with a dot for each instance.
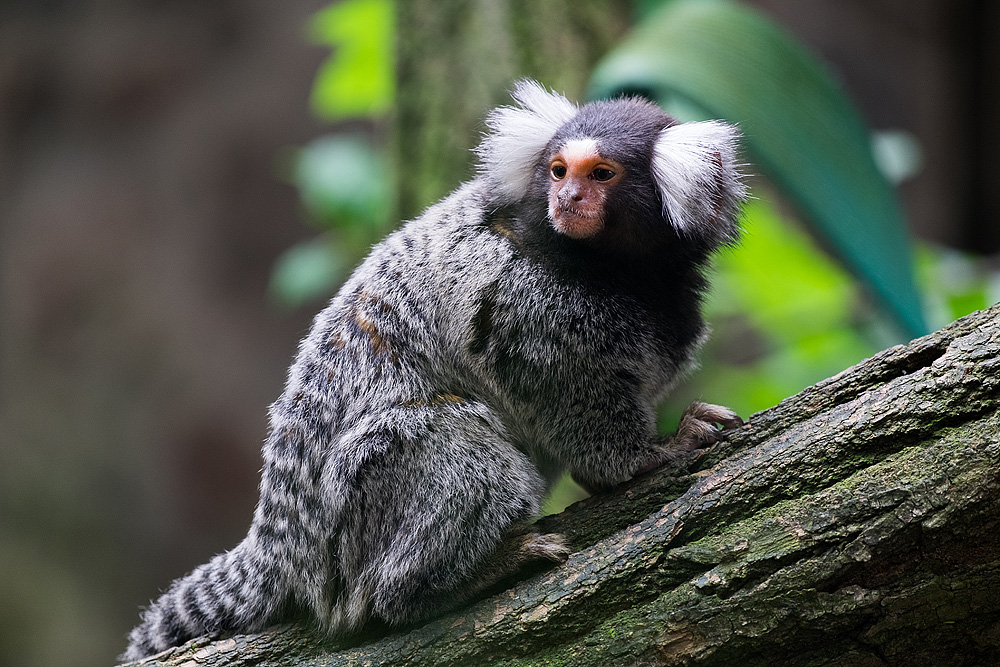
(856, 523)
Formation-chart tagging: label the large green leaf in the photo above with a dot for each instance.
(719, 59)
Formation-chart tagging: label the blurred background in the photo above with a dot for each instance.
(183, 184)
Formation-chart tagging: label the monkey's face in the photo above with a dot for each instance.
(580, 179)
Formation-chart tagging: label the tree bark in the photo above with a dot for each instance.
(855, 523)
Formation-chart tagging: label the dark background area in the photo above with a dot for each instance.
(140, 215)
(141, 212)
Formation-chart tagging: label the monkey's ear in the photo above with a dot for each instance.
(517, 136)
(694, 165)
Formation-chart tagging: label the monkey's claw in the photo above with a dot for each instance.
(700, 425)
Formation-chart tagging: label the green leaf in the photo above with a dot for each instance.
(713, 58)
(781, 281)
(344, 183)
(358, 80)
(306, 272)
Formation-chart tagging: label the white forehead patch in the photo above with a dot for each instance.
(577, 150)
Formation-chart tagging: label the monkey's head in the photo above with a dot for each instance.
(619, 175)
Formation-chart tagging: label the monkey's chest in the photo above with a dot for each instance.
(537, 342)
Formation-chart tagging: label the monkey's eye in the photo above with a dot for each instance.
(558, 171)
(601, 174)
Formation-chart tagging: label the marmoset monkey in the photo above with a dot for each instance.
(524, 326)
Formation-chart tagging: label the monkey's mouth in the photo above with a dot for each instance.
(576, 223)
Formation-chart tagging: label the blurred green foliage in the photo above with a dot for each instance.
(955, 283)
(346, 183)
(307, 271)
(359, 78)
(785, 315)
(784, 311)
(347, 188)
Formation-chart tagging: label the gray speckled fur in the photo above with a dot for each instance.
(434, 401)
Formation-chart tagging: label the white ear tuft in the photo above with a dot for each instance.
(694, 165)
(508, 153)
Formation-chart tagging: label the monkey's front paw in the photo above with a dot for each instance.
(700, 426)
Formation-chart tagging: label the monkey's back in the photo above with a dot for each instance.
(380, 405)
(451, 306)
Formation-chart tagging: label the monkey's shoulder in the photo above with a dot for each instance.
(405, 303)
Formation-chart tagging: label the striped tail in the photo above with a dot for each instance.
(237, 591)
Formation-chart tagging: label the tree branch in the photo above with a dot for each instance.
(855, 523)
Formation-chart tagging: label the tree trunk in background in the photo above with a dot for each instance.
(856, 523)
(458, 58)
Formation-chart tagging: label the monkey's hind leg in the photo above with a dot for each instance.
(446, 511)
(521, 548)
